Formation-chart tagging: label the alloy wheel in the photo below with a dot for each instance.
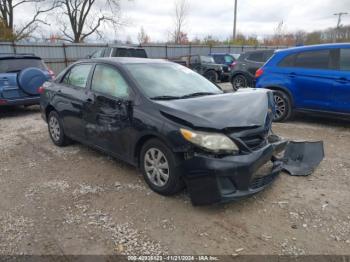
(54, 128)
(157, 167)
(280, 106)
(239, 82)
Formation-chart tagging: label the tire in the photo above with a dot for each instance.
(239, 81)
(212, 76)
(55, 128)
(163, 176)
(283, 106)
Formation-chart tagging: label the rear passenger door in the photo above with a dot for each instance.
(312, 77)
(71, 99)
(341, 85)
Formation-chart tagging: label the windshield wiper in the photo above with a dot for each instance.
(165, 97)
(199, 94)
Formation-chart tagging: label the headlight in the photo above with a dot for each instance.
(210, 141)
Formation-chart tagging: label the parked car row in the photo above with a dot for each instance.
(175, 125)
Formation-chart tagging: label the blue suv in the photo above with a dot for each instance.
(21, 76)
(308, 79)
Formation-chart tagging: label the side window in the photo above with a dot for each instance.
(256, 57)
(78, 76)
(313, 59)
(194, 59)
(288, 61)
(107, 80)
(345, 59)
(98, 54)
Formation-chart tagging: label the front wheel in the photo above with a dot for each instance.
(212, 76)
(283, 109)
(160, 168)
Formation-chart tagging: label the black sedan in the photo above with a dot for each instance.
(174, 124)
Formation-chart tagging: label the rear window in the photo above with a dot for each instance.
(126, 52)
(256, 57)
(18, 64)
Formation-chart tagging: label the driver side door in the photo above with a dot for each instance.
(109, 114)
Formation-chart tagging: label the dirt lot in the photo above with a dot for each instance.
(75, 200)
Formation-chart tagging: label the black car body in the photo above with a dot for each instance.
(203, 65)
(119, 51)
(211, 141)
(244, 69)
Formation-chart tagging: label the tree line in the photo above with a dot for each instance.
(77, 20)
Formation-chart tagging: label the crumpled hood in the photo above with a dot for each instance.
(246, 108)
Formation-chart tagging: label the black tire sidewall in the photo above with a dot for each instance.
(239, 76)
(287, 101)
(175, 182)
(61, 141)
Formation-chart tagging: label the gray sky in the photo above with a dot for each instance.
(215, 17)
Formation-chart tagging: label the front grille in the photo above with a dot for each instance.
(263, 181)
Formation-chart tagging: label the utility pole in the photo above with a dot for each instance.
(339, 18)
(338, 24)
(235, 22)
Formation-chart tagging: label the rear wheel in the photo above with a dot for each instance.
(239, 81)
(283, 109)
(56, 130)
(212, 76)
(160, 168)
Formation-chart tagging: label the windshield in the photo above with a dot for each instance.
(207, 59)
(170, 80)
(18, 64)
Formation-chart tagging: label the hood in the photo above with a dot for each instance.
(248, 108)
(212, 65)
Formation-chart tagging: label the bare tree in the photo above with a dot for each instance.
(86, 17)
(142, 37)
(8, 12)
(180, 19)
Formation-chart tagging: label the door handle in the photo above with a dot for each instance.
(292, 75)
(342, 80)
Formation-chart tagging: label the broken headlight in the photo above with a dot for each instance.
(213, 142)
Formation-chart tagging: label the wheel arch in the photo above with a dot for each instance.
(48, 110)
(284, 90)
(141, 142)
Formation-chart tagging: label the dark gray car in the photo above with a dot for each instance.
(243, 71)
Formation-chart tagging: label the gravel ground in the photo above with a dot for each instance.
(75, 200)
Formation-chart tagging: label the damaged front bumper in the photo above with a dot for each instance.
(216, 180)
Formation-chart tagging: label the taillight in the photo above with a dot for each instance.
(52, 74)
(3, 102)
(233, 65)
(41, 90)
(259, 73)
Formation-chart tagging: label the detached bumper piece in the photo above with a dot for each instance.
(218, 180)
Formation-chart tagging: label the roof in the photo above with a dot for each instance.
(314, 47)
(128, 60)
(224, 54)
(17, 56)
